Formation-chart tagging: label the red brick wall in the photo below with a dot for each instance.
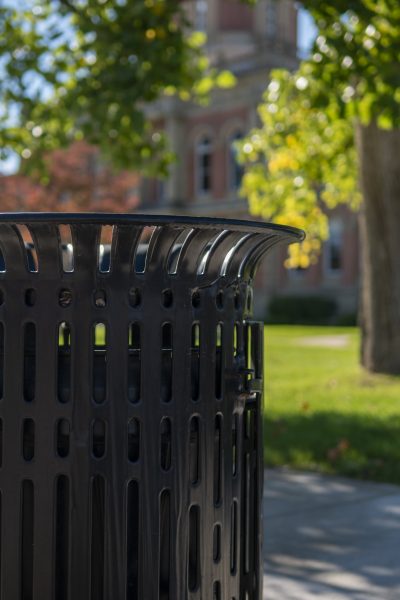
(233, 15)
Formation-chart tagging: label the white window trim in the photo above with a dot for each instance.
(201, 15)
(272, 19)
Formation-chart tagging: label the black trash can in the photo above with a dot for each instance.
(130, 411)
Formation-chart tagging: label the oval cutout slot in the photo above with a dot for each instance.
(66, 248)
(29, 362)
(134, 363)
(98, 438)
(140, 260)
(165, 444)
(194, 450)
(195, 367)
(32, 262)
(28, 439)
(63, 434)
(104, 257)
(218, 460)
(166, 362)
(99, 364)
(219, 357)
(133, 440)
(194, 549)
(64, 363)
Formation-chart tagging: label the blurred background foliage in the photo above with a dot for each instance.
(77, 70)
(303, 156)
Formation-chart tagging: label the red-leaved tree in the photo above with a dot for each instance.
(77, 180)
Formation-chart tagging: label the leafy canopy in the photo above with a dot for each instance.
(84, 69)
(302, 158)
(356, 58)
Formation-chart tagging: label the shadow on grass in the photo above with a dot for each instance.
(346, 444)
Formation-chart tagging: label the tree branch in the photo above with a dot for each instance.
(70, 6)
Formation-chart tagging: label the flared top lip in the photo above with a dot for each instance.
(243, 225)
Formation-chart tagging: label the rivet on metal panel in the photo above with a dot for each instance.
(196, 299)
(65, 298)
(134, 297)
(100, 299)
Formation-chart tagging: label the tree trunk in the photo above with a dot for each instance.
(379, 157)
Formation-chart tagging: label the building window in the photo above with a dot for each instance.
(203, 165)
(200, 17)
(272, 18)
(235, 169)
(334, 247)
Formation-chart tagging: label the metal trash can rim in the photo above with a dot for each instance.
(241, 225)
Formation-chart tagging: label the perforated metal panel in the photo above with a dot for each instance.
(130, 411)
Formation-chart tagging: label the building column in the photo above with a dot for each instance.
(176, 183)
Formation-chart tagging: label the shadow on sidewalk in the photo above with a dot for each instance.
(330, 538)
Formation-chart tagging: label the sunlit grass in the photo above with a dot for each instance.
(323, 411)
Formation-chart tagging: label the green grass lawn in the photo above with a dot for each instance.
(323, 411)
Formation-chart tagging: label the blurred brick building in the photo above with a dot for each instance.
(249, 41)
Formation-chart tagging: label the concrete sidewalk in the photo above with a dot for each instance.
(330, 538)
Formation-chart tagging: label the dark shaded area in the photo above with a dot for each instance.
(302, 310)
(346, 444)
